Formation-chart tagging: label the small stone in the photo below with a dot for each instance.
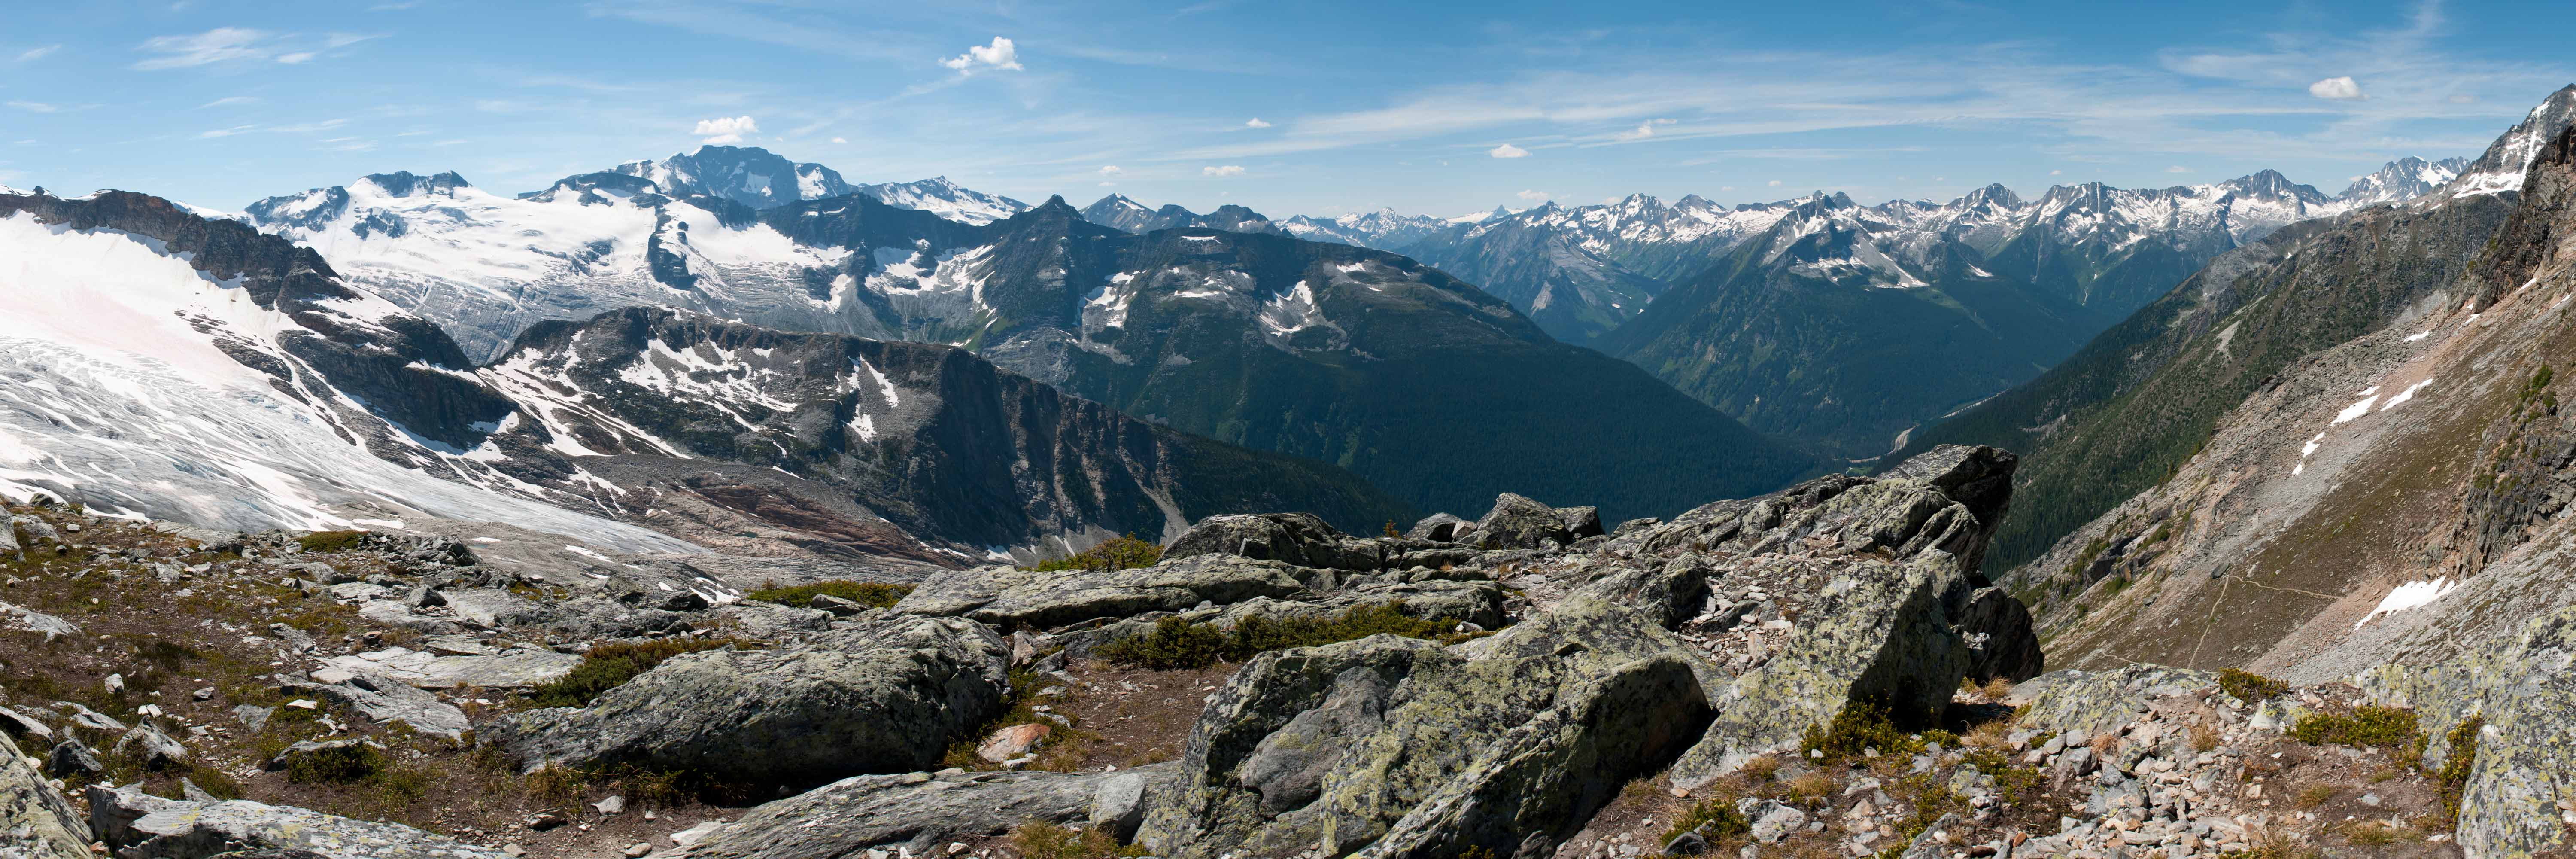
(514, 849)
(638, 849)
(611, 805)
(116, 684)
(205, 694)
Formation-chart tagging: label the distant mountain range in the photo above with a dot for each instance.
(1214, 324)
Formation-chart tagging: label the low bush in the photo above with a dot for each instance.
(609, 666)
(1038, 839)
(2383, 727)
(1123, 553)
(2453, 779)
(1859, 727)
(870, 594)
(1177, 644)
(331, 541)
(342, 765)
(2250, 687)
(1717, 815)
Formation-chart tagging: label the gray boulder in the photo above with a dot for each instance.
(1440, 528)
(17, 726)
(1580, 522)
(385, 700)
(1516, 522)
(1295, 538)
(1015, 598)
(492, 607)
(137, 825)
(1997, 628)
(917, 812)
(72, 758)
(155, 749)
(2523, 686)
(35, 822)
(1402, 747)
(882, 696)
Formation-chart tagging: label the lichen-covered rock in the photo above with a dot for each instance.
(1874, 632)
(387, 700)
(882, 696)
(1517, 522)
(2092, 702)
(1404, 748)
(912, 813)
(137, 825)
(2524, 687)
(1942, 500)
(1296, 538)
(1015, 598)
(35, 822)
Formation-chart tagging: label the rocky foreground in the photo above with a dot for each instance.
(1815, 672)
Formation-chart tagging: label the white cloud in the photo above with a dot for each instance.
(1001, 54)
(1111, 170)
(2057, 172)
(447, 143)
(1532, 196)
(2335, 88)
(1775, 183)
(2177, 169)
(1644, 130)
(1256, 123)
(33, 54)
(2463, 98)
(236, 99)
(1108, 184)
(1227, 170)
(839, 140)
(725, 130)
(227, 132)
(1726, 188)
(1508, 151)
(34, 106)
(296, 58)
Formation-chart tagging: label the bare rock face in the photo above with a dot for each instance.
(1014, 598)
(917, 812)
(137, 825)
(1295, 538)
(35, 822)
(883, 696)
(1408, 748)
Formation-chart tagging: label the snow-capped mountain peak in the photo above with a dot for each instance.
(947, 199)
(2403, 179)
(2501, 167)
(748, 175)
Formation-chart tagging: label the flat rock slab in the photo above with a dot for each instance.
(916, 812)
(35, 822)
(141, 826)
(516, 669)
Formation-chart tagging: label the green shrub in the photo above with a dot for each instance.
(1123, 553)
(1860, 726)
(609, 666)
(2454, 777)
(870, 594)
(331, 541)
(342, 765)
(1038, 839)
(1176, 643)
(2250, 687)
(1718, 814)
(2384, 727)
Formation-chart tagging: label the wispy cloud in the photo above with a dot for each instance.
(34, 106)
(1531, 196)
(1256, 123)
(1226, 170)
(230, 99)
(33, 54)
(238, 45)
(1508, 151)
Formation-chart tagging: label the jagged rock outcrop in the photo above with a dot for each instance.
(137, 825)
(1408, 748)
(882, 696)
(1295, 538)
(2523, 688)
(916, 812)
(35, 822)
(1011, 598)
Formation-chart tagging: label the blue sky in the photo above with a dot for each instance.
(1309, 108)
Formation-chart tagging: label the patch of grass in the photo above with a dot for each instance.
(1760, 768)
(1038, 839)
(1123, 553)
(342, 765)
(331, 541)
(1860, 726)
(2203, 738)
(2250, 687)
(2453, 779)
(870, 594)
(1054, 753)
(2389, 728)
(609, 666)
(1179, 644)
(1718, 814)
(2011, 781)
(2375, 833)
(2315, 795)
